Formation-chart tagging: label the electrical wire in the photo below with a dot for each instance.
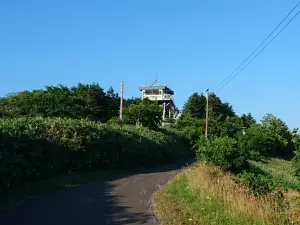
(257, 47)
(259, 51)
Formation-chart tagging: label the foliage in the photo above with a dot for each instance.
(230, 126)
(296, 158)
(113, 103)
(147, 113)
(280, 171)
(258, 183)
(81, 101)
(130, 101)
(196, 107)
(37, 148)
(257, 141)
(247, 120)
(187, 120)
(297, 166)
(204, 194)
(219, 109)
(221, 151)
(281, 134)
(193, 133)
(170, 121)
(193, 128)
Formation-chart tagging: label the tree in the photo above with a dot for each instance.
(280, 132)
(81, 101)
(147, 113)
(196, 107)
(221, 151)
(130, 101)
(247, 120)
(113, 103)
(258, 141)
(230, 126)
(219, 109)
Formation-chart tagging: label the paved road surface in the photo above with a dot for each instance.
(123, 200)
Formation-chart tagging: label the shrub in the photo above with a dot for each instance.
(297, 166)
(258, 141)
(147, 113)
(37, 148)
(296, 143)
(193, 133)
(258, 183)
(264, 183)
(280, 133)
(221, 151)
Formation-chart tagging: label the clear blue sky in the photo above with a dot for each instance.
(192, 45)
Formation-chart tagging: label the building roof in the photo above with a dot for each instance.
(155, 88)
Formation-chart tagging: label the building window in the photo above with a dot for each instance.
(152, 92)
(155, 92)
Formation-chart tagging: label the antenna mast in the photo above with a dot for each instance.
(155, 81)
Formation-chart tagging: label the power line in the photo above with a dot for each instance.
(260, 51)
(257, 47)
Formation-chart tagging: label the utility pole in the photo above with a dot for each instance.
(164, 111)
(121, 103)
(206, 122)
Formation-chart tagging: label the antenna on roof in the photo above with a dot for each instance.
(155, 81)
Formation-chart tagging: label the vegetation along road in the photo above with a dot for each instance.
(123, 200)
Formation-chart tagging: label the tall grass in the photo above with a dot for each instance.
(204, 194)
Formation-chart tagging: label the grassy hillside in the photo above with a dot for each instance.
(281, 170)
(204, 194)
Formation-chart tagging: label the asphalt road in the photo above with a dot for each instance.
(122, 200)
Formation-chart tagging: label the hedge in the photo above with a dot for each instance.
(37, 148)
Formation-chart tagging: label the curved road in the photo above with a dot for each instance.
(123, 200)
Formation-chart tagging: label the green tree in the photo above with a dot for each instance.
(219, 109)
(258, 141)
(247, 120)
(280, 132)
(230, 126)
(196, 107)
(221, 151)
(147, 113)
(113, 103)
(130, 101)
(296, 143)
(81, 101)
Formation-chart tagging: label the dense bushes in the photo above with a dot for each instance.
(258, 141)
(81, 101)
(221, 151)
(296, 142)
(37, 148)
(264, 183)
(146, 113)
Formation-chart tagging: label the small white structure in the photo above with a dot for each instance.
(157, 93)
(164, 95)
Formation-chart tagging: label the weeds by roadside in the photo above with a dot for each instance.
(204, 194)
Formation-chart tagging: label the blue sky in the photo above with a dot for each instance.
(192, 45)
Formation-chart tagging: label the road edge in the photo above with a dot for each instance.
(156, 217)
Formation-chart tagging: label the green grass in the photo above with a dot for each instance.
(199, 208)
(198, 197)
(281, 170)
